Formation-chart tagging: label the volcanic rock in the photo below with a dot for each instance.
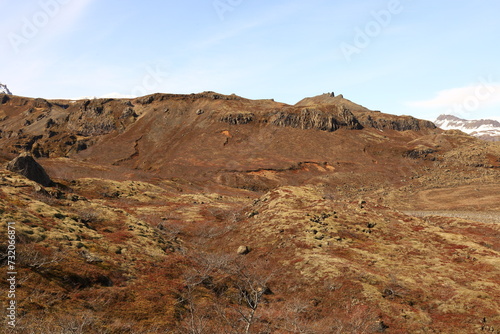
(27, 166)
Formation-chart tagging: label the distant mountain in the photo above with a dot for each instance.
(486, 129)
(4, 89)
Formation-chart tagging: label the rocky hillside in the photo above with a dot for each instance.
(208, 213)
(110, 256)
(485, 128)
(227, 139)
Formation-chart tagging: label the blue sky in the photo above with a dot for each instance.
(421, 58)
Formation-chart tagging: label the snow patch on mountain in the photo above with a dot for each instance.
(488, 129)
(4, 89)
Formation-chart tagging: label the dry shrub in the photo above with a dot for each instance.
(49, 323)
(234, 215)
(119, 236)
(90, 216)
(45, 197)
(36, 257)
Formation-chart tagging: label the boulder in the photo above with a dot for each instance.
(27, 166)
(243, 250)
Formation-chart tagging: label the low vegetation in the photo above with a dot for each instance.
(313, 264)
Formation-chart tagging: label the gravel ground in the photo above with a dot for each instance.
(480, 216)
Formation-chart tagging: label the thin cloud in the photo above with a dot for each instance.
(32, 59)
(35, 27)
(238, 28)
(72, 12)
(230, 33)
(484, 94)
(68, 17)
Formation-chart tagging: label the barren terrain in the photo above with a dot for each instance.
(481, 216)
(208, 213)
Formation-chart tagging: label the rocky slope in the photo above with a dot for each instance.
(485, 129)
(147, 257)
(208, 213)
(227, 139)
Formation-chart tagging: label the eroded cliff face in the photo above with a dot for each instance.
(186, 130)
(331, 119)
(59, 128)
(195, 199)
(368, 118)
(329, 114)
(398, 123)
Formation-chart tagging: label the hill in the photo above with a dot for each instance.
(208, 213)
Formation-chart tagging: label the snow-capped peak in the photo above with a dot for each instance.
(4, 89)
(484, 128)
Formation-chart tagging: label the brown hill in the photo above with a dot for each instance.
(205, 136)
(241, 143)
(157, 194)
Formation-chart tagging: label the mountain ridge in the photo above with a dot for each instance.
(486, 129)
(210, 213)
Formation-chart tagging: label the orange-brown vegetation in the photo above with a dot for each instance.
(349, 220)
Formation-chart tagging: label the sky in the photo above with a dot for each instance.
(405, 57)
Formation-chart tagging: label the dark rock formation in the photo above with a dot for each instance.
(41, 103)
(25, 165)
(238, 118)
(95, 117)
(398, 123)
(419, 153)
(310, 118)
(4, 98)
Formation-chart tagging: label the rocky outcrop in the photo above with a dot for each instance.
(420, 153)
(41, 103)
(399, 123)
(27, 166)
(97, 117)
(4, 98)
(365, 117)
(310, 118)
(159, 97)
(238, 118)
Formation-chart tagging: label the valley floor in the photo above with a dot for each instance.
(480, 216)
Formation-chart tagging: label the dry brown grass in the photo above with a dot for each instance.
(149, 260)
